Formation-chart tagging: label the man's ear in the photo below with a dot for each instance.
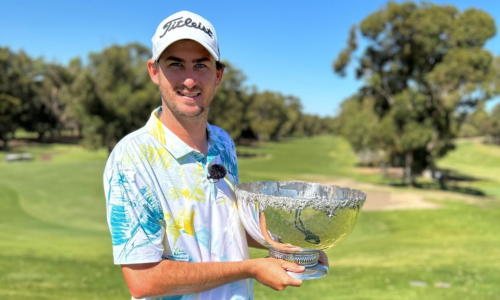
(219, 76)
(154, 71)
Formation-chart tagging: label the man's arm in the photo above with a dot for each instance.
(168, 278)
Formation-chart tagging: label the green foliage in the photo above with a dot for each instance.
(493, 128)
(422, 64)
(9, 108)
(246, 113)
(17, 91)
(475, 123)
(230, 104)
(42, 90)
(482, 123)
(272, 115)
(358, 120)
(54, 92)
(309, 125)
(113, 95)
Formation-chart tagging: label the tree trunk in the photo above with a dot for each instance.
(408, 168)
(80, 131)
(40, 136)
(5, 141)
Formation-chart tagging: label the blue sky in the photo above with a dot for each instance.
(282, 46)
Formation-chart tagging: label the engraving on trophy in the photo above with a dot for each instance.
(296, 220)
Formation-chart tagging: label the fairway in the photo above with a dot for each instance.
(56, 244)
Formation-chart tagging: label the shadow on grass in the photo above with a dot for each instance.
(452, 188)
(249, 154)
(451, 175)
(449, 180)
(15, 144)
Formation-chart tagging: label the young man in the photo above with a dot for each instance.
(174, 230)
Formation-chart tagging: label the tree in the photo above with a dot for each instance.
(113, 95)
(47, 107)
(493, 128)
(17, 91)
(246, 113)
(272, 115)
(54, 93)
(476, 123)
(9, 108)
(422, 65)
(230, 103)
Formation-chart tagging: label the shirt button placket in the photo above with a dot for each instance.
(211, 184)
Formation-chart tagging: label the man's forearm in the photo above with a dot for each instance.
(168, 278)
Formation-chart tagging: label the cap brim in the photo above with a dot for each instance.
(209, 49)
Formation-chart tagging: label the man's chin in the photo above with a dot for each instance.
(193, 114)
(187, 111)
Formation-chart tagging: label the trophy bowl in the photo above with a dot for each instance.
(295, 220)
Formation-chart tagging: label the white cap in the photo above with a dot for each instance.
(185, 25)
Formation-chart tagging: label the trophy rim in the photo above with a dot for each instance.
(240, 186)
(328, 205)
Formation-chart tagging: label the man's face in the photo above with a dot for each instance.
(187, 78)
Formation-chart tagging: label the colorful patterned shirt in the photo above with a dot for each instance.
(161, 205)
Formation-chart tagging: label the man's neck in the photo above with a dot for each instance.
(193, 132)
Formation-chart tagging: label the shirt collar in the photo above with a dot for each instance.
(215, 145)
(177, 147)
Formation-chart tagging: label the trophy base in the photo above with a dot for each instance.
(306, 257)
(315, 272)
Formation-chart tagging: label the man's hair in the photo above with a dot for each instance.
(218, 65)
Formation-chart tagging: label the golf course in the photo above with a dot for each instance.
(428, 242)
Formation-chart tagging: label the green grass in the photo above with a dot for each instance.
(478, 160)
(388, 250)
(55, 242)
(296, 158)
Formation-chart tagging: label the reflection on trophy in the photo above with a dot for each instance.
(296, 220)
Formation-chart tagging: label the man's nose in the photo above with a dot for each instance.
(190, 80)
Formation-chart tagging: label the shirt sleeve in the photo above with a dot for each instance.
(134, 216)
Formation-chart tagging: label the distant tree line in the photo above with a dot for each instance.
(483, 123)
(111, 95)
(425, 69)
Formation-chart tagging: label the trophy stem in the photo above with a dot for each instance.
(306, 258)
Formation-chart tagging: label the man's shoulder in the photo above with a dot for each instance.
(222, 135)
(126, 145)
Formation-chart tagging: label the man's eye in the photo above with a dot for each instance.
(199, 66)
(175, 64)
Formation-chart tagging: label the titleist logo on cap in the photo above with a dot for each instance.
(179, 22)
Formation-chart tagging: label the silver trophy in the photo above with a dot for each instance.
(296, 220)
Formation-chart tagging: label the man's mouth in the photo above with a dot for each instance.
(188, 94)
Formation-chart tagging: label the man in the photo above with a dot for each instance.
(174, 230)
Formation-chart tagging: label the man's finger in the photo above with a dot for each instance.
(295, 282)
(294, 267)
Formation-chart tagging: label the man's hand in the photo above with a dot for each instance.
(272, 273)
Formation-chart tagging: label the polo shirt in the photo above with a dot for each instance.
(161, 205)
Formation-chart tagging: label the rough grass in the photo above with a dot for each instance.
(55, 243)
